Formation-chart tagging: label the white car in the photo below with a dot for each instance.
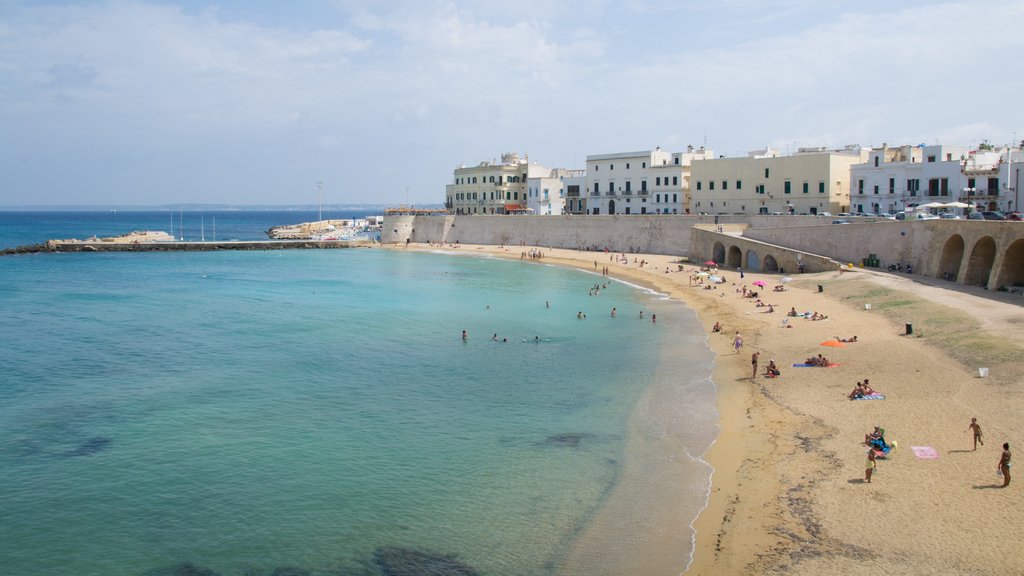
(927, 217)
(824, 213)
(949, 216)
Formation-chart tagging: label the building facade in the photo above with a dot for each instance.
(646, 182)
(492, 187)
(812, 181)
(548, 195)
(897, 179)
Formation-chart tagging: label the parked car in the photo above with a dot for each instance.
(949, 216)
(993, 215)
(924, 216)
(975, 216)
(840, 222)
(844, 214)
(1015, 216)
(824, 213)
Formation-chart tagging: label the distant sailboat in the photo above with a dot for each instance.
(202, 229)
(181, 224)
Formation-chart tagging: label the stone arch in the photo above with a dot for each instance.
(1011, 272)
(718, 252)
(979, 266)
(752, 261)
(770, 265)
(611, 206)
(952, 256)
(735, 258)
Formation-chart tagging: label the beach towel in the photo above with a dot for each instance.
(875, 396)
(832, 365)
(925, 452)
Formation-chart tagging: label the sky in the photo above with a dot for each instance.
(242, 102)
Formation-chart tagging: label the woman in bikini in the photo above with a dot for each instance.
(1004, 464)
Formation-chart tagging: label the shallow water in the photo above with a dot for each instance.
(246, 411)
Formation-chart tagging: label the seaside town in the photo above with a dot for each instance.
(886, 181)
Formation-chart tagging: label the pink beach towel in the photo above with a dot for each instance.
(925, 452)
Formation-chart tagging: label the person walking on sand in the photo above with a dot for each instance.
(1004, 464)
(737, 342)
(753, 365)
(870, 467)
(977, 432)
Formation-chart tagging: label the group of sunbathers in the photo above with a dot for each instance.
(811, 316)
(819, 361)
(861, 390)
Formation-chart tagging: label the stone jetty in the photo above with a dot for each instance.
(163, 242)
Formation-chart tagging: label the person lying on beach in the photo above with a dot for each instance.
(812, 361)
(850, 339)
(780, 288)
(770, 309)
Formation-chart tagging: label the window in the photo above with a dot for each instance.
(597, 188)
(674, 198)
(628, 188)
(657, 197)
(805, 188)
(611, 166)
(627, 165)
(913, 185)
(596, 167)
(725, 184)
(787, 188)
(739, 184)
(675, 180)
(949, 157)
(711, 185)
(765, 172)
(657, 181)
(876, 161)
(643, 164)
(970, 183)
(892, 185)
(698, 184)
(643, 186)
(676, 160)
(860, 186)
(821, 187)
(876, 188)
(993, 186)
(931, 158)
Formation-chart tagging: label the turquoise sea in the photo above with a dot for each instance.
(317, 412)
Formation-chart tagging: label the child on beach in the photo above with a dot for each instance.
(977, 432)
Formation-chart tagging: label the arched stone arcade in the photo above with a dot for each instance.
(979, 265)
(753, 263)
(770, 264)
(735, 258)
(1011, 270)
(718, 253)
(952, 256)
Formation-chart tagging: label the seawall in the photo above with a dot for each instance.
(61, 246)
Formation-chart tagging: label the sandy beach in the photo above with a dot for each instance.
(788, 492)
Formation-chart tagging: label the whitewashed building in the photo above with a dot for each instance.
(896, 179)
(812, 181)
(547, 195)
(492, 187)
(645, 182)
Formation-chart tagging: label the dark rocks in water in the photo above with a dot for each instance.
(567, 440)
(185, 569)
(289, 571)
(395, 561)
(91, 446)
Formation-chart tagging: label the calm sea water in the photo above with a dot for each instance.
(249, 411)
(24, 228)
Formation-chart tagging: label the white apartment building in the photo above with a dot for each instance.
(895, 179)
(547, 195)
(812, 181)
(492, 187)
(646, 182)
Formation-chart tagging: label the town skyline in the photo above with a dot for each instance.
(138, 103)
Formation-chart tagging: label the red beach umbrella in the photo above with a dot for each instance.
(711, 263)
(760, 283)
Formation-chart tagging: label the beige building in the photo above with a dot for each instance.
(812, 181)
(492, 187)
(646, 182)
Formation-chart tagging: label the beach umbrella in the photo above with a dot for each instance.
(711, 263)
(833, 343)
(786, 280)
(760, 283)
(956, 205)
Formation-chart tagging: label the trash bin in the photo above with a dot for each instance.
(983, 372)
(910, 328)
(821, 288)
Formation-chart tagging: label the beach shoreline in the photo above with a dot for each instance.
(787, 493)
